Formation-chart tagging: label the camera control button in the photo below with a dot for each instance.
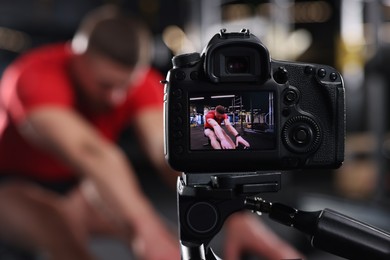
(309, 70)
(178, 149)
(333, 76)
(178, 121)
(281, 75)
(290, 96)
(177, 93)
(286, 111)
(180, 75)
(321, 73)
(302, 135)
(194, 75)
(177, 107)
(178, 134)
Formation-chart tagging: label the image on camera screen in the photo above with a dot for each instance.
(219, 120)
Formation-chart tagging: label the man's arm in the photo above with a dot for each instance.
(224, 139)
(235, 133)
(229, 127)
(217, 129)
(149, 129)
(80, 146)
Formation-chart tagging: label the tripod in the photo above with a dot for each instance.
(205, 201)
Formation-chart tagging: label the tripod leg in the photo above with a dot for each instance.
(192, 251)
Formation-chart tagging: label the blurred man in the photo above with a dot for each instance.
(219, 139)
(65, 105)
(63, 178)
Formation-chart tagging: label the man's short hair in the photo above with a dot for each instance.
(110, 32)
(220, 109)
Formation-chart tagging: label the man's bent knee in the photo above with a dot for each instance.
(35, 218)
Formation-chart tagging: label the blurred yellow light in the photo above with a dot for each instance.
(236, 12)
(12, 40)
(176, 40)
(312, 12)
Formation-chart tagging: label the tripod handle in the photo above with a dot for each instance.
(330, 231)
(347, 237)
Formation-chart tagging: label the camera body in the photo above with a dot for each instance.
(292, 114)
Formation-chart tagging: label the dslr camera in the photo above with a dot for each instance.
(291, 114)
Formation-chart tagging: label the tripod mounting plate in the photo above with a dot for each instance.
(206, 200)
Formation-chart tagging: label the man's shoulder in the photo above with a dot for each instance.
(210, 114)
(150, 77)
(48, 57)
(153, 73)
(47, 64)
(38, 77)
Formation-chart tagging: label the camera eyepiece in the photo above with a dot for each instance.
(237, 64)
(236, 57)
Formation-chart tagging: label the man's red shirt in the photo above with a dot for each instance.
(41, 78)
(211, 115)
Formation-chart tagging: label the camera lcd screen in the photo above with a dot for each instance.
(218, 120)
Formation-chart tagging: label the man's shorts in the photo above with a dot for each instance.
(60, 187)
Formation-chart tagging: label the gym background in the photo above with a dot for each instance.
(351, 35)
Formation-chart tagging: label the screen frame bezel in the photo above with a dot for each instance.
(223, 161)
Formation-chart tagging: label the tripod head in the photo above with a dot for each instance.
(205, 201)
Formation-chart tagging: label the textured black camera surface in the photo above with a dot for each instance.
(308, 107)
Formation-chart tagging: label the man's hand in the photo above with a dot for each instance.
(240, 140)
(156, 243)
(246, 233)
(226, 145)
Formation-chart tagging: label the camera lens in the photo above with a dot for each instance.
(237, 64)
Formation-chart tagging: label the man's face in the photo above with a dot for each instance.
(219, 116)
(103, 82)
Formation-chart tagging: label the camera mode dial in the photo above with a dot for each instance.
(185, 60)
(301, 134)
